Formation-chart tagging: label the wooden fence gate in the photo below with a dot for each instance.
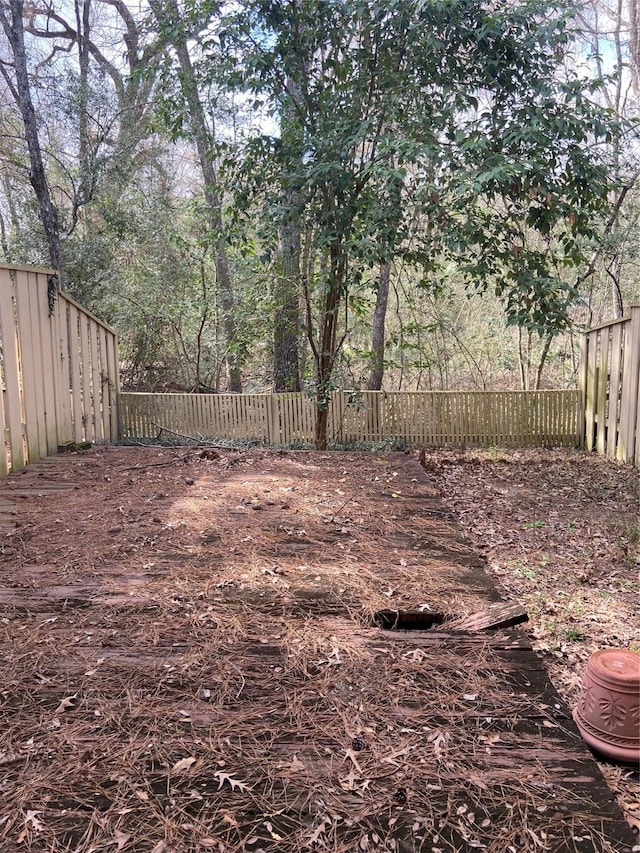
(58, 370)
(610, 388)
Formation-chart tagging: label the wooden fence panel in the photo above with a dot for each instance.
(629, 425)
(23, 302)
(478, 419)
(609, 384)
(55, 388)
(11, 374)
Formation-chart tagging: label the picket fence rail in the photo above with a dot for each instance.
(58, 370)
(609, 385)
(430, 418)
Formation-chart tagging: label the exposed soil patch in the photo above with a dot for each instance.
(189, 665)
(561, 533)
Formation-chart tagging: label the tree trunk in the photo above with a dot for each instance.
(524, 359)
(211, 191)
(377, 337)
(286, 319)
(614, 272)
(307, 268)
(286, 325)
(3, 239)
(328, 346)
(14, 31)
(543, 358)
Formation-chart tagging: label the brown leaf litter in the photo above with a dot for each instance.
(188, 664)
(561, 533)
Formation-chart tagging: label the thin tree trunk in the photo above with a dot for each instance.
(614, 272)
(523, 364)
(378, 331)
(307, 266)
(211, 190)
(85, 187)
(328, 347)
(14, 31)
(543, 358)
(3, 239)
(286, 320)
(634, 39)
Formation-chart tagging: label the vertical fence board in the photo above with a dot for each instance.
(114, 385)
(4, 456)
(601, 391)
(26, 353)
(631, 361)
(96, 383)
(41, 366)
(632, 398)
(582, 387)
(613, 405)
(85, 390)
(590, 408)
(48, 371)
(10, 350)
(74, 366)
(104, 384)
(636, 458)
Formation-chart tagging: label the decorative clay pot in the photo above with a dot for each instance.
(608, 711)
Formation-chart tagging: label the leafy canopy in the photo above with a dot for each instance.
(440, 131)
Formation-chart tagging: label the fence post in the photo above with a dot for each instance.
(273, 420)
(11, 369)
(629, 438)
(581, 425)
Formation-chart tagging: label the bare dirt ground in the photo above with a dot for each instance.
(560, 530)
(188, 663)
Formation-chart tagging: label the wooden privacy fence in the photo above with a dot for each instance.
(438, 418)
(610, 388)
(58, 370)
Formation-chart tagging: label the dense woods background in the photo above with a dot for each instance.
(312, 194)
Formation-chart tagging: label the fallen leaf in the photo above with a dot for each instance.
(183, 764)
(295, 766)
(350, 754)
(235, 783)
(32, 818)
(66, 704)
(120, 839)
(314, 837)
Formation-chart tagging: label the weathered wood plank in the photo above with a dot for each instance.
(496, 616)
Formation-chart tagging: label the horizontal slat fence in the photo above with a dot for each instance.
(58, 370)
(609, 384)
(435, 418)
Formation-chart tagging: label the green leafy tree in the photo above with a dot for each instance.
(449, 115)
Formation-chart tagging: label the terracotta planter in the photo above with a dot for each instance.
(608, 711)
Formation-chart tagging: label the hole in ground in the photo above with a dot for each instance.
(406, 620)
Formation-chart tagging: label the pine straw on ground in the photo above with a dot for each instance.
(184, 666)
(561, 532)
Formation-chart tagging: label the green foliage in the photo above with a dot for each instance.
(439, 133)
